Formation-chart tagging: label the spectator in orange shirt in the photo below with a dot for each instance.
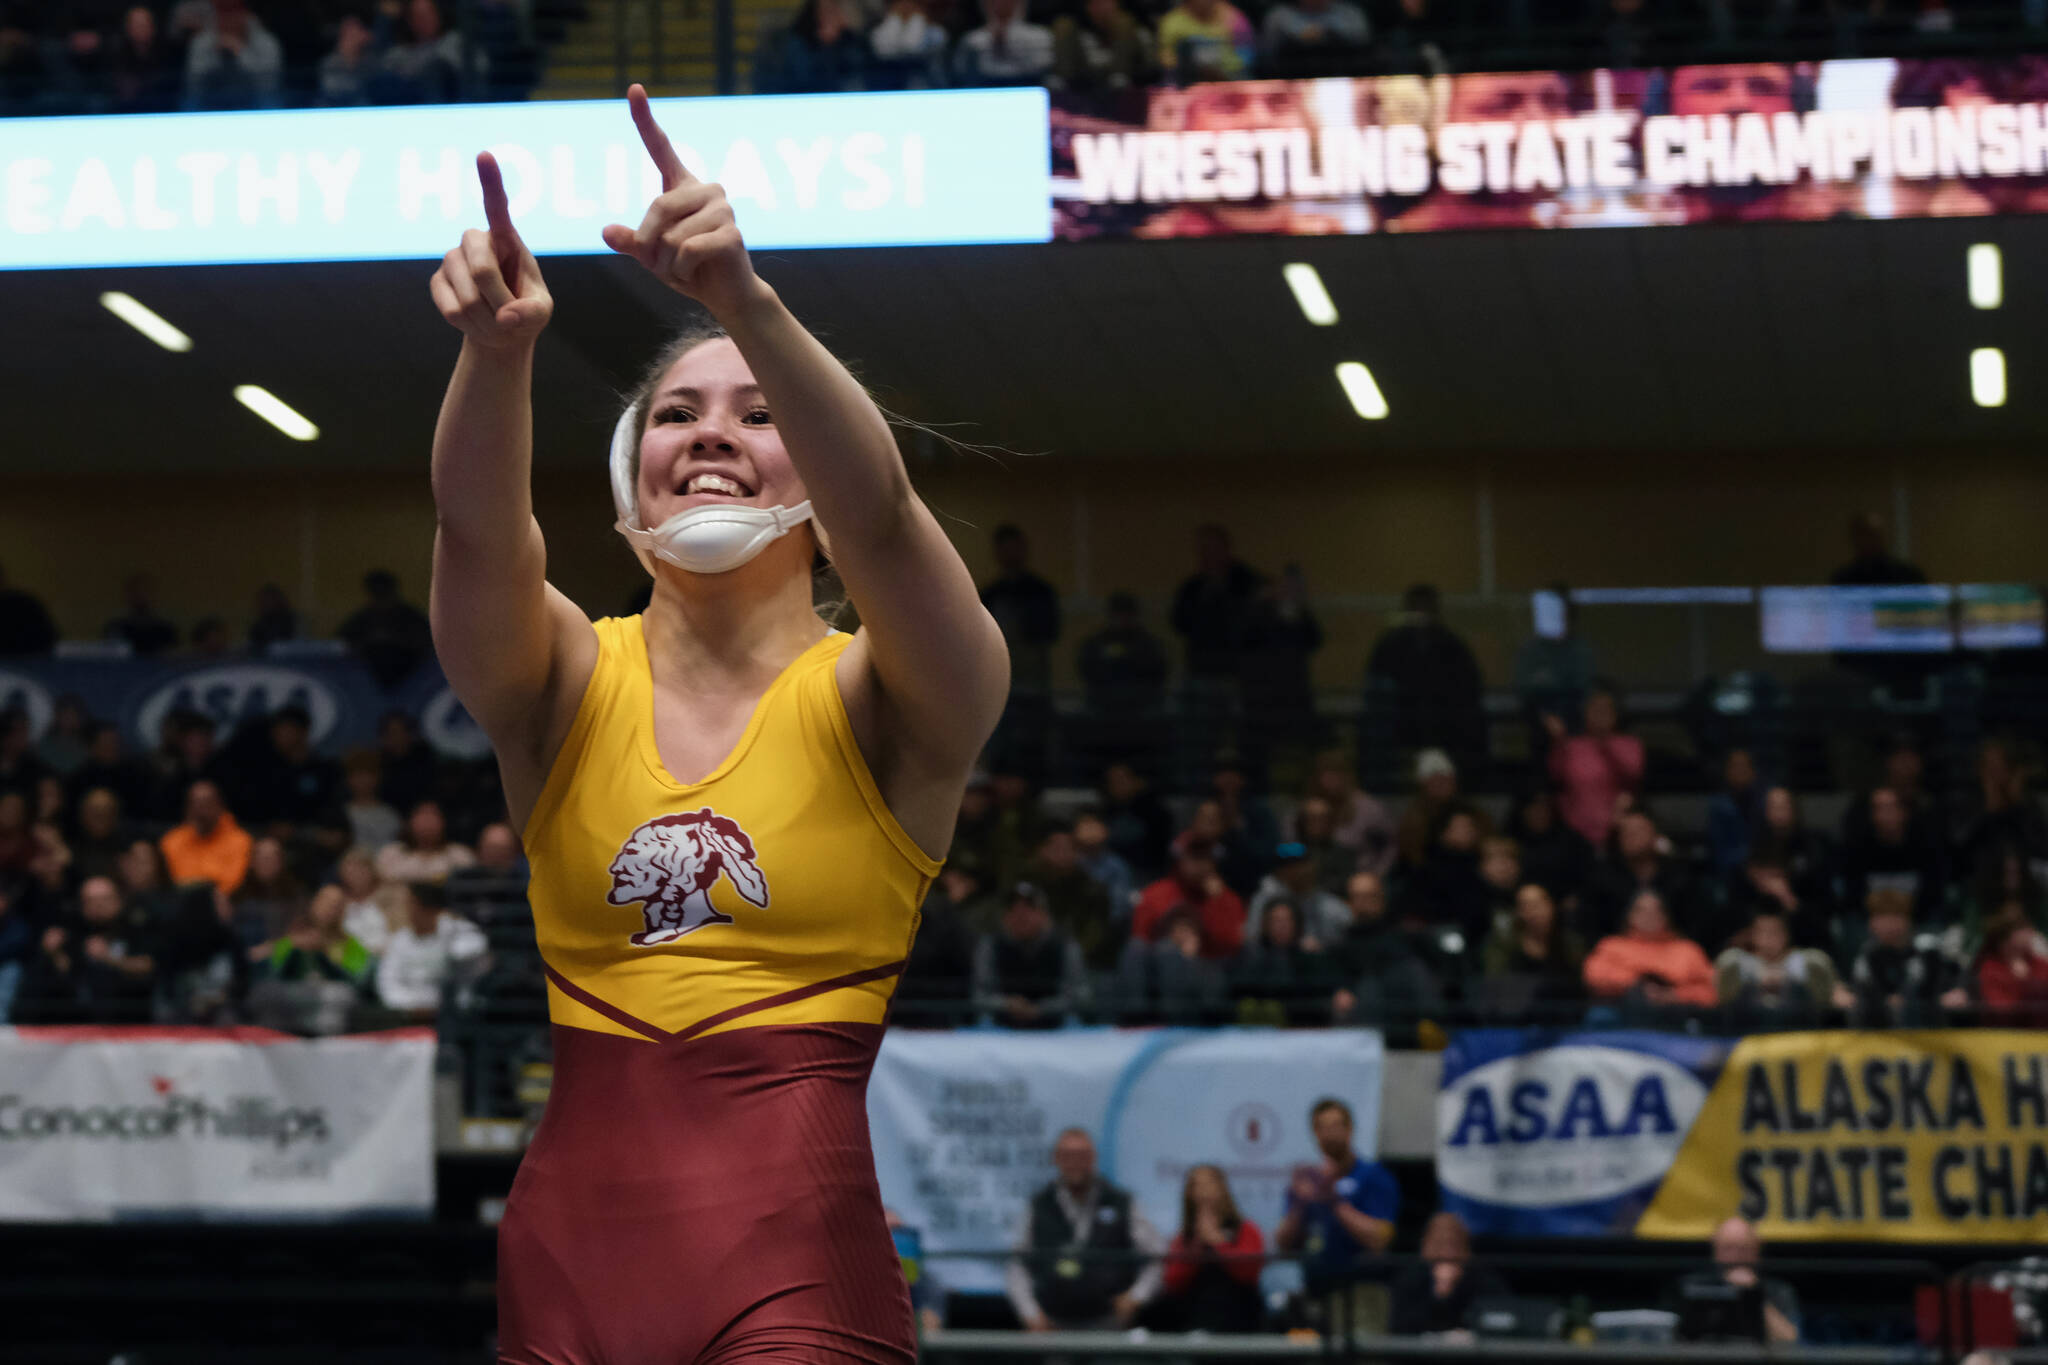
(1194, 885)
(209, 846)
(1648, 965)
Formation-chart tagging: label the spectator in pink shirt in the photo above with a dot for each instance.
(1596, 768)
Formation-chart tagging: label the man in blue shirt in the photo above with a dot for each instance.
(1340, 1216)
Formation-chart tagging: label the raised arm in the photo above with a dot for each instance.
(935, 655)
(507, 641)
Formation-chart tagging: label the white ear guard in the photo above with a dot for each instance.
(625, 483)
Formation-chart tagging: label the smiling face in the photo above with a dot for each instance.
(707, 439)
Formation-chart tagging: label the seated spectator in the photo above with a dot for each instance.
(1500, 870)
(2006, 814)
(1737, 1249)
(1734, 814)
(202, 968)
(145, 883)
(18, 843)
(1533, 966)
(1782, 840)
(1554, 855)
(1248, 823)
(62, 747)
(1106, 866)
(1087, 1258)
(372, 823)
(1899, 983)
(1211, 1280)
(1383, 979)
(1079, 904)
(389, 634)
(20, 769)
(411, 771)
(231, 63)
(1436, 796)
(209, 638)
(347, 76)
(18, 949)
(188, 755)
(208, 845)
(426, 952)
(1015, 816)
(370, 905)
(1007, 49)
(26, 626)
(1195, 886)
(108, 766)
(1341, 1214)
(1168, 980)
(270, 897)
(427, 63)
(1896, 854)
(977, 835)
(1595, 768)
(1436, 1297)
(1320, 30)
(287, 788)
(1648, 968)
(310, 980)
(1140, 826)
(1642, 861)
(1205, 40)
(822, 51)
(2012, 971)
(1429, 676)
(1027, 974)
(1281, 979)
(1238, 859)
(423, 853)
(1103, 48)
(1768, 984)
(1905, 774)
(500, 867)
(1322, 917)
(101, 836)
(938, 977)
(1765, 887)
(275, 622)
(1357, 821)
(1314, 828)
(1123, 666)
(97, 964)
(1447, 892)
(909, 47)
(1413, 41)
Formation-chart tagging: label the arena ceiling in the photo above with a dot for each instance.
(1775, 337)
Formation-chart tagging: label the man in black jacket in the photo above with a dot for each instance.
(1087, 1258)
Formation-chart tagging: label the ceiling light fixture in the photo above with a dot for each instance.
(1987, 376)
(143, 320)
(1364, 394)
(1308, 290)
(1987, 274)
(275, 411)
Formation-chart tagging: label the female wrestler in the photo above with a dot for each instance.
(731, 811)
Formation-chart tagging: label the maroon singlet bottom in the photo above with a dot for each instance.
(703, 1201)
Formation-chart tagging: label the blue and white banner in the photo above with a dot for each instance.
(964, 1122)
(1543, 1133)
(904, 169)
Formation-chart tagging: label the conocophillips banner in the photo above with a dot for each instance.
(104, 1124)
(1747, 142)
(1858, 1136)
(964, 1122)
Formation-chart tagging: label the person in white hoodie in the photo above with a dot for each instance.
(908, 46)
(426, 950)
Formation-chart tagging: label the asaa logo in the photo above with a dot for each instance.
(233, 693)
(1564, 1125)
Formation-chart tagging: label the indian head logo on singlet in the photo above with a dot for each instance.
(669, 865)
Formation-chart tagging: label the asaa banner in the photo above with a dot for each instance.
(1750, 142)
(964, 1122)
(1937, 1136)
(99, 1124)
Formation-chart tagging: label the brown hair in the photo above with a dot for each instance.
(1231, 1217)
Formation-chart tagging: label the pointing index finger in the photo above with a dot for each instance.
(673, 172)
(497, 212)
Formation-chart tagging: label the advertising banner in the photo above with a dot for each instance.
(964, 1122)
(1936, 1136)
(1867, 138)
(921, 167)
(99, 1124)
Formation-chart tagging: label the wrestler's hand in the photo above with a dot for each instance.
(688, 237)
(489, 288)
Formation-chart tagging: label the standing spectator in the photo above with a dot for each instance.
(1340, 1214)
(423, 853)
(63, 746)
(1123, 665)
(1205, 40)
(1734, 813)
(1430, 677)
(347, 76)
(1385, 982)
(270, 898)
(372, 822)
(430, 946)
(909, 47)
(1299, 34)
(1642, 861)
(1552, 673)
(822, 51)
(389, 634)
(1101, 48)
(1436, 1297)
(1139, 824)
(411, 771)
(1895, 855)
(1871, 562)
(1027, 974)
(1212, 607)
(1322, 917)
(1194, 886)
(1737, 1249)
(1007, 49)
(233, 63)
(1027, 609)
(1899, 983)
(1648, 968)
(1211, 1281)
(1079, 904)
(1554, 855)
(146, 632)
(26, 627)
(1596, 768)
(1280, 978)
(1533, 966)
(1358, 821)
(96, 966)
(208, 846)
(210, 638)
(1769, 984)
(1106, 866)
(938, 977)
(1087, 1258)
(2012, 971)
(1281, 636)
(143, 66)
(275, 622)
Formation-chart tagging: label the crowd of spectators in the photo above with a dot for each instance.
(121, 57)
